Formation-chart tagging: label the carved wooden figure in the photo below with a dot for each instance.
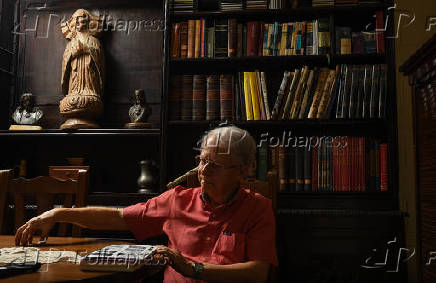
(82, 71)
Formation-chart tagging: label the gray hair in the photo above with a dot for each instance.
(232, 140)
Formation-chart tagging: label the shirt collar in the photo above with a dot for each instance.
(232, 199)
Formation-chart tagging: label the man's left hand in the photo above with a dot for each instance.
(177, 260)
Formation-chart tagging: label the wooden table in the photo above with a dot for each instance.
(65, 271)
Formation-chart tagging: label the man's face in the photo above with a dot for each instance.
(219, 170)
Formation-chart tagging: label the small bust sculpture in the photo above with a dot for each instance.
(26, 113)
(139, 112)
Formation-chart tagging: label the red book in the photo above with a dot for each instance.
(260, 37)
(380, 34)
(232, 37)
(384, 173)
(252, 38)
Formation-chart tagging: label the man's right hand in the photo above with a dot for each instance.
(42, 223)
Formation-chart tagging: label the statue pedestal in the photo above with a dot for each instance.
(77, 123)
(137, 125)
(24, 128)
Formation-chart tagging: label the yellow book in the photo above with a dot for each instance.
(254, 99)
(247, 96)
(282, 50)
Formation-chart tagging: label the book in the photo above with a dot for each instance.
(290, 97)
(280, 94)
(221, 38)
(175, 40)
(247, 97)
(232, 37)
(343, 40)
(226, 97)
(191, 38)
(197, 40)
(184, 39)
(265, 95)
(212, 97)
(198, 97)
(124, 258)
(186, 104)
(299, 93)
(380, 31)
(323, 36)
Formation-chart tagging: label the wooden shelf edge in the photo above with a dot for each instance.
(301, 11)
(84, 132)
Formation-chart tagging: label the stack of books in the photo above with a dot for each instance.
(323, 3)
(182, 5)
(257, 4)
(231, 5)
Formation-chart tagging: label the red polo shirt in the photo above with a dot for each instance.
(239, 231)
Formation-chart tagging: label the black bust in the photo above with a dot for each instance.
(140, 111)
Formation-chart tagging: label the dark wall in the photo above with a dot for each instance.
(132, 43)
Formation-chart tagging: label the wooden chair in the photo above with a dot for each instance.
(43, 188)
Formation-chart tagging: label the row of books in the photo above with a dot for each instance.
(227, 38)
(352, 92)
(329, 164)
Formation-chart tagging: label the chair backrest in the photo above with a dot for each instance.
(267, 189)
(43, 188)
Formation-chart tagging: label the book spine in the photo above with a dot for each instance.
(175, 40)
(323, 36)
(382, 91)
(197, 40)
(283, 169)
(191, 38)
(239, 43)
(186, 107)
(175, 96)
(307, 169)
(265, 95)
(384, 170)
(309, 38)
(247, 96)
(183, 39)
(203, 38)
(232, 37)
(380, 28)
(221, 41)
(262, 168)
(261, 33)
(211, 42)
(198, 98)
(226, 97)
(373, 104)
(291, 168)
(212, 97)
(281, 92)
(252, 38)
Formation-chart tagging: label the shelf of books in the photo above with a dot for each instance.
(318, 68)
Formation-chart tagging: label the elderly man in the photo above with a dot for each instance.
(217, 232)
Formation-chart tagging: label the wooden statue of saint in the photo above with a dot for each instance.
(139, 112)
(82, 71)
(27, 114)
